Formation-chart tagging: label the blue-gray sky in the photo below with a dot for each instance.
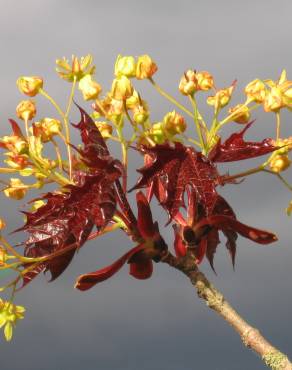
(158, 324)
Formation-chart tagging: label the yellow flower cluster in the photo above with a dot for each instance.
(274, 95)
(9, 315)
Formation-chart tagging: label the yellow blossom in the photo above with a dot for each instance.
(280, 94)
(17, 189)
(145, 68)
(16, 161)
(256, 91)
(174, 123)
(26, 110)
(280, 162)
(125, 66)
(77, 70)
(221, 98)
(15, 144)
(240, 113)
(205, 80)
(140, 113)
(90, 89)
(188, 84)
(9, 315)
(105, 129)
(46, 128)
(29, 85)
(122, 88)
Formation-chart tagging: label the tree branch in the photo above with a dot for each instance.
(250, 336)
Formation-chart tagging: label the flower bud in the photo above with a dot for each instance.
(122, 88)
(17, 189)
(221, 98)
(26, 110)
(14, 144)
(240, 113)
(140, 114)
(125, 66)
(280, 163)
(2, 224)
(105, 129)
(273, 100)
(174, 123)
(29, 85)
(188, 84)
(145, 68)
(46, 128)
(205, 80)
(157, 133)
(89, 88)
(18, 162)
(256, 91)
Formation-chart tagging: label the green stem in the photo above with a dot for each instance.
(197, 123)
(278, 125)
(170, 98)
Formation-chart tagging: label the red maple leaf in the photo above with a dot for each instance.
(202, 233)
(172, 169)
(235, 148)
(64, 223)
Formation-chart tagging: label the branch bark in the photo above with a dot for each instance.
(250, 336)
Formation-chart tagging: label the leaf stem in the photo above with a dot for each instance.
(170, 98)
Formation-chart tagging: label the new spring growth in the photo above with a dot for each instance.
(280, 163)
(256, 91)
(90, 89)
(279, 94)
(77, 70)
(221, 98)
(9, 316)
(240, 113)
(193, 81)
(17, 189)
(105, 129)
(125, 66)
(2, 224)
(30, 85)
(145, 68)
(122, 88)
(46, 128)
(26, 110)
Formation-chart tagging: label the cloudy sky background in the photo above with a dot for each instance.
(158, 324)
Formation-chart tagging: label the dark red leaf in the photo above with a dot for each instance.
(142, 270)
(145, 221)
(87, 281)
(172, 169)
(235, 148)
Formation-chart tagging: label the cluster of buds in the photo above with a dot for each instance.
(26, 110)
(128, 67)
(139, 108)
(221, 98)
(77, 70)
(279, 163)
(30, 85)
(109, 108)
(240, 113)
(274, 95)
(193, 81)
(46, 129)
(9, 315)
(160, 132)
(16, 190)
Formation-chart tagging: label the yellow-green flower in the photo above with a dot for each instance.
(125, 66)
(29, 85)
(90, 89)
(9, 315)
(77, 70)
(17, 189)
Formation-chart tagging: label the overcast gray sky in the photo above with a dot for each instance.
(158, 324)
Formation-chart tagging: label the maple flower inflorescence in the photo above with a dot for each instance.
(91, 194)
